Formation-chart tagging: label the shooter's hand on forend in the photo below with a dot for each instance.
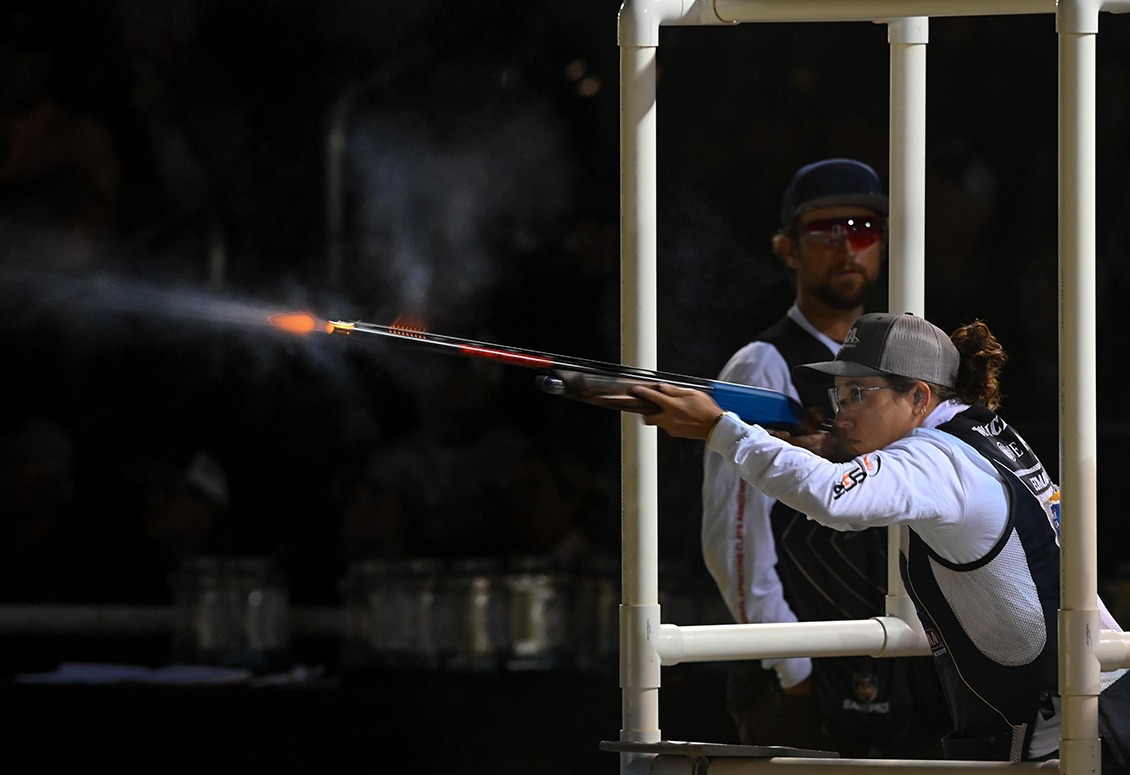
(687, 413)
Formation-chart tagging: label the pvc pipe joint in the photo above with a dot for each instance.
(902, 607)
(903, 637)
(640, 20)
(639, 661)
(914, 30)
(1078, 17)
(1113, 650)
(1079, 633)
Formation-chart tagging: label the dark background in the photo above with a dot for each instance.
(163, 191)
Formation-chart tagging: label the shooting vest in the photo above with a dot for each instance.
(992, 623)
(829, 575)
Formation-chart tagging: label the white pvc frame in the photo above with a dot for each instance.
(646, 644)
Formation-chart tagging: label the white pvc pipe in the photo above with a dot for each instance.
(1077, 25)
(638, 337)
(907, 239)
(1113, 650)
(869, 10)
(880, 636)
(906, 244)
(639, 610)
(640, 20)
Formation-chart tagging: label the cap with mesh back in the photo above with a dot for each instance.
(883, 344)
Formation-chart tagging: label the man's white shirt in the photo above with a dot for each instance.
(737, 539)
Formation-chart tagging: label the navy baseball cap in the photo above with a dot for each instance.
(832, 183)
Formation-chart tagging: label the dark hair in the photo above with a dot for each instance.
(982, 358)
(979, 372)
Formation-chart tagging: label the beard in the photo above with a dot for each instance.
(845, 298)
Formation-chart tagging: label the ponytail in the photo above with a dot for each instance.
(982, 358)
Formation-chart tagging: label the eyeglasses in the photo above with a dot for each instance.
(854, 396)
(860, 232)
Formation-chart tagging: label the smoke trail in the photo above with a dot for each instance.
(102, 312)
(437, 216)
(136, 349)
(73, 294)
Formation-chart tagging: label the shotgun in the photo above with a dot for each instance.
(580, 379)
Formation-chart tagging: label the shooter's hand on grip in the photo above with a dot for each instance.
(817, 435)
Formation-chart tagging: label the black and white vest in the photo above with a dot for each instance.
(992, 623)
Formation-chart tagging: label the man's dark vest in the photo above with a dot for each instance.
(990, 700)
(829, 574)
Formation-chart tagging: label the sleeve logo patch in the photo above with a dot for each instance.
(871, 464)
(868, 466)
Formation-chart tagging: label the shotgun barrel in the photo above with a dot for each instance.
(593, 382)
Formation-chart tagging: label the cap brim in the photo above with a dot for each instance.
(876, 202)
(824, 372)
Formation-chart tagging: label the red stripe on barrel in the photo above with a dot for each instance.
(501, 355)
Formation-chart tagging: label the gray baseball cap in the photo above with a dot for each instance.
(882, 344)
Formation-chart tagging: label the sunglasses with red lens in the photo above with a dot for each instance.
(859, 231)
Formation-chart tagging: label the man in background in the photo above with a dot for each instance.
(770, 562)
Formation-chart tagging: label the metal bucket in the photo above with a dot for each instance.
(476, 615)
(392, 611)
(540, 597)
(232, 611)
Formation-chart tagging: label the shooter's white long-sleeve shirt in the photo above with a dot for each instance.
(954, 498)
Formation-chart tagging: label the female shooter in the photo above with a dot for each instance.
(980, 558)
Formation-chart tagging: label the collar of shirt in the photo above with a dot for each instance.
(799, 318)
(944, 412)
